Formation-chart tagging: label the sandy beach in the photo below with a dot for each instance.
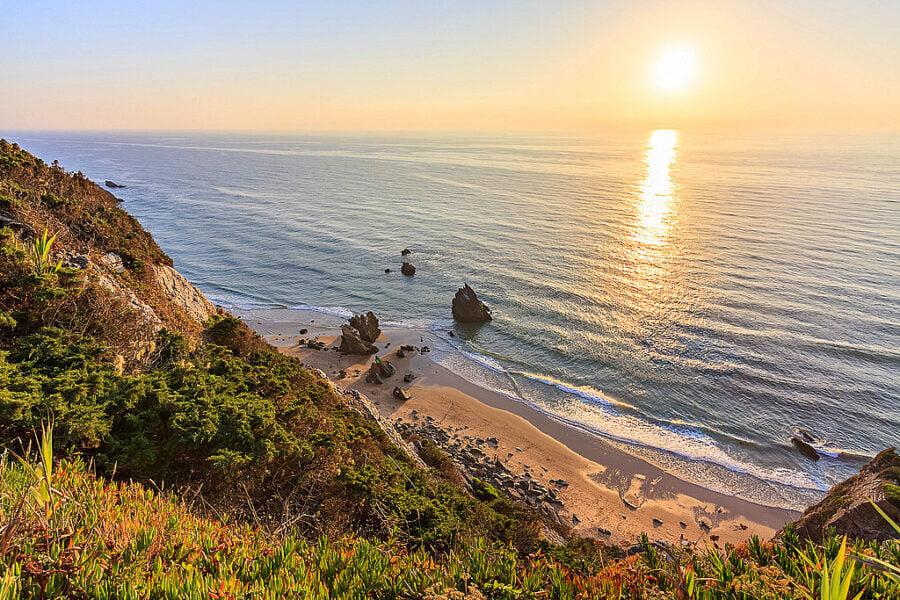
(578, 478)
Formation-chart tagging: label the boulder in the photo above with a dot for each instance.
(467, 308)
(408, 269)
(805, 447)
(366, 325)
(405, 252)
(400, 393)
(847, 506)
(379, 371)
(352, 343)
(113, 184)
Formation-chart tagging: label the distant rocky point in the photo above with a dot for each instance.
(113, 185)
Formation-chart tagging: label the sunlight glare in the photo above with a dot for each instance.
(674, 69)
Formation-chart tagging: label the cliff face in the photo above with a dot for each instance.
(848, 509)
(120, 286)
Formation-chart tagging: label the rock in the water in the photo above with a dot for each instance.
(379, 371)
(114, 185)
(387, 270)
(367, 326)
(400, 393)
(805, 447)
(467, 308)
(408, 269)
(352, 343)
(113, 262)
(405, 252)
(303, 331)
(846, 507)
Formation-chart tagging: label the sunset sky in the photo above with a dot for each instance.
(451, 66)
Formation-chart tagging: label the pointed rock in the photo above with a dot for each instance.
(367, 326)
(352, 343)
(467, 308)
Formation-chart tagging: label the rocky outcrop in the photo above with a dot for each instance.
(408, 269)
(183, 294)
(113, 262)
(380, 371)
(353, 343)
(367, 326)
(113, 185)
(467, 308)
(847, 505)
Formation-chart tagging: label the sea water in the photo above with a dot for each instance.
(692, 298)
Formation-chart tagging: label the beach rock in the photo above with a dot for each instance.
(805, 447)
(408, 269)
(113, 184)
(400, 394)
(846, 507)
(405, 252)
(113, 262)
(657, 522)
(467, 308)
(366, 325)
(303, 331)
(379, 371)
(603, 531)
(352, 343)
(408, 378)
(387, 270)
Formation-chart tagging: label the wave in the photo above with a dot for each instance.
(686, 442)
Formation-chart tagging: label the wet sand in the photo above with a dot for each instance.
(608, 493)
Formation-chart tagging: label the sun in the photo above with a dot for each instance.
(674, 69)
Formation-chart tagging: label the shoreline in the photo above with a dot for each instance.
(564, 472)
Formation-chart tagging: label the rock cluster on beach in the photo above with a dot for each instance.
(359, 336)
(380, 371)
(367, 326)
(467, 308)
(353, 343)
(470, 457)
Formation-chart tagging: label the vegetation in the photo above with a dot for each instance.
(194, 461)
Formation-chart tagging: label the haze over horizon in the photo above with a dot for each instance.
(402, 66)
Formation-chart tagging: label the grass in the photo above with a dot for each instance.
(100, 539)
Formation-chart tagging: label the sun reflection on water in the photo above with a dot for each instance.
(656, 189)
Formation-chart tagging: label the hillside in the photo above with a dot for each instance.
(241, 465)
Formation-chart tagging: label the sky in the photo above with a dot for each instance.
(523, 65)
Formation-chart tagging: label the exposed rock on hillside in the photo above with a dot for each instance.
(184, 294)
(467, 308)
(367, 326)
(846, 507)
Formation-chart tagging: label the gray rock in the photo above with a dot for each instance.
(380, 371)
(113, 262)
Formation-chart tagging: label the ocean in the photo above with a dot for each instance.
(692, 298)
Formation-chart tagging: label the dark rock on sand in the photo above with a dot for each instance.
(408, 378)
(113, 184)
(846, 507)
(805, 447)
(408, 269)
(467, 308)
(400, 394)
(352, 343)
(379, 371)
(366, 325)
